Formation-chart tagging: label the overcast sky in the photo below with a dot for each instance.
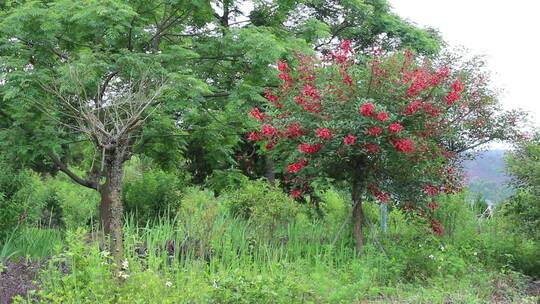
(508, 32)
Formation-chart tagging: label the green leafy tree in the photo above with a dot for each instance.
(523, 164)
(97, 74)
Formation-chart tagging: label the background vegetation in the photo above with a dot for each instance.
(203, 215)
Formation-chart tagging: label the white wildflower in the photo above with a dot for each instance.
(475, 253)
(442, 248)
(168, 284)
(125, 264)
(123, 275)
(431, 256)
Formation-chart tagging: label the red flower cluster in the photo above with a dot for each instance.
(343, 54)
(433, 205)
(282, 66)
(413, 107)
(431, 109)
(372, 148)
(431, 190)
(349, 139)
(436, 227)
(307, 148)
(314, 105)
(324, 133)
(294, 130)
(367, 109)
(382, 116)
(395, 127)
(268, 130)
(381, 196)
(311, 91)
(420, 81)
(296, 193)
(257, 114)
(270, 145)
(297, 166)
(254, 136)
(375, 131)
(455, 94)
(273, 99)
(404, 145)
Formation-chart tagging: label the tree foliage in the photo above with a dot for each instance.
(391, 125)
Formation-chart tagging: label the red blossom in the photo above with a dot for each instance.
(375, 131)
(311, 91)
(307, 148)
(436, 227)
(257, 114)
(431, 109)
(294, 130)
(380, 195)
(297, 166)
(443, 72)
(270, 145)
(296, 193)
(347, 79)
(270, 96)
(282, 65)
(431, 190)
(404, 145)
(324, 133)
(452, 97)
(349, 139)
(253, 136)
(345, 46)
(268, 130)
(367, 109)
(413, 107)
(273, 99)
(372, 148)
(433, 205)
(458, 86)
(382, 116)
(395, 127)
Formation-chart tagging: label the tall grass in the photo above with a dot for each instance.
(168, 244)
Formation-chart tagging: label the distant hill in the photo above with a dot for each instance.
(486, 175)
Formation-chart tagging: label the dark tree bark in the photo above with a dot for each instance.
(269, 170)
(111, 208)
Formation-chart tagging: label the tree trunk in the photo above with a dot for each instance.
(111, 209)
(269, 170)
(357, 213)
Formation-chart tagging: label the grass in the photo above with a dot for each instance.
(219, 258)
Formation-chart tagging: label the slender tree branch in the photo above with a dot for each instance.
(64, 168)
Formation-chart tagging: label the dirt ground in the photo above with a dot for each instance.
(17, 279)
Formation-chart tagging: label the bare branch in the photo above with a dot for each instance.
(63, 167)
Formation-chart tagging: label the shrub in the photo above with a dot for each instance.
(266, 206)
(197, 215)
(76, 204)
(152, 193)
(22, 198)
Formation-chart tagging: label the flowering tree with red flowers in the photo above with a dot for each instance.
(391, 126)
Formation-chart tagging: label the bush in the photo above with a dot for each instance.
(265, 206)
(197, 215)
(152, 193)
(23, 196)
(502, 247)
(76, 205)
